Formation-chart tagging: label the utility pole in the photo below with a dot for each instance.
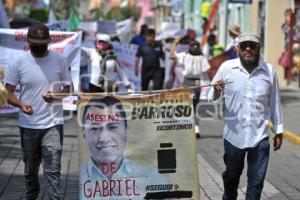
(224, 23)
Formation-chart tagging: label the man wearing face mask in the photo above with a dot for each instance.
(41, 74)
(252, 100)
(193, 64)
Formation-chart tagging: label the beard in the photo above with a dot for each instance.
(250, 64)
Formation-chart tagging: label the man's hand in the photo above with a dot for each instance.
(48, 97)
(218, 88)
(136, 71)
(277, 141)
(27, 109)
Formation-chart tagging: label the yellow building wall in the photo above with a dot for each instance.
(274, 37)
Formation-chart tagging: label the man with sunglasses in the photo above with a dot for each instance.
(251, 92)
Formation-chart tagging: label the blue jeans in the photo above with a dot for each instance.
(42, 145)
(257, 160)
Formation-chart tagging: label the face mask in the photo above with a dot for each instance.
(38, 50)
(102, 45)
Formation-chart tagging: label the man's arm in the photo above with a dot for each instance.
(214, 93)
(276, 113)
(136, 65)
(172, 51)
(12, 99)
(50, 96)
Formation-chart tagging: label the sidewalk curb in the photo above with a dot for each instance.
(290, 136)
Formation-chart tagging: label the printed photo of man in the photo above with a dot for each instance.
(109, 173)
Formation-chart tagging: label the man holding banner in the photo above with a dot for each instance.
(105, 125)
(41, 74)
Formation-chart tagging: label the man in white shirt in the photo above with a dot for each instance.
(41, 74)
(252, 99)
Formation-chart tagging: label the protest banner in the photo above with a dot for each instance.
(58, 25)
(13, 43)
(107, 27)
(124, 29)
(137, 147)
(126, 57)
(3, 17)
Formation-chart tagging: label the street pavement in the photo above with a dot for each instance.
(282, 180)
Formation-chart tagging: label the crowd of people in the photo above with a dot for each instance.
(43, 75)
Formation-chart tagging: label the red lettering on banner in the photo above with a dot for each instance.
(105, 189)
(87, 191)
(100, 117)
(59, 50)
(20, 36)
(110, 188)
(108, 168)
(119, 186)
(97, 189)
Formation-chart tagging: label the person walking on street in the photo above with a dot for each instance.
(152, 55)
(41, 74)
(251, 92)
(106, 72)
(193, 64)
(140, 38)
(234, 31)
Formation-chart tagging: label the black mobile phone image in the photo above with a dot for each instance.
(166, 158)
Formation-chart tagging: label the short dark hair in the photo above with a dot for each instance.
(104, 102)
(151, 32)
(144, 29)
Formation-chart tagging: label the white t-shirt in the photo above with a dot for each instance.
(35, 77)
(192, 65)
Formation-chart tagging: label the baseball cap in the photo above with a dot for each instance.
(103, 37)
(248, 36)
(39, 34)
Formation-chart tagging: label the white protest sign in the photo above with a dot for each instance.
(124, 29)
(126, 56)
(58, 25)
(107, 27)
(3, 17)
(13, 43)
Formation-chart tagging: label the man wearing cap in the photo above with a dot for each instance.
(234, 31)
(41, 74)
(252, 100)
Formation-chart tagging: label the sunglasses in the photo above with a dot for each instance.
(251, 45)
